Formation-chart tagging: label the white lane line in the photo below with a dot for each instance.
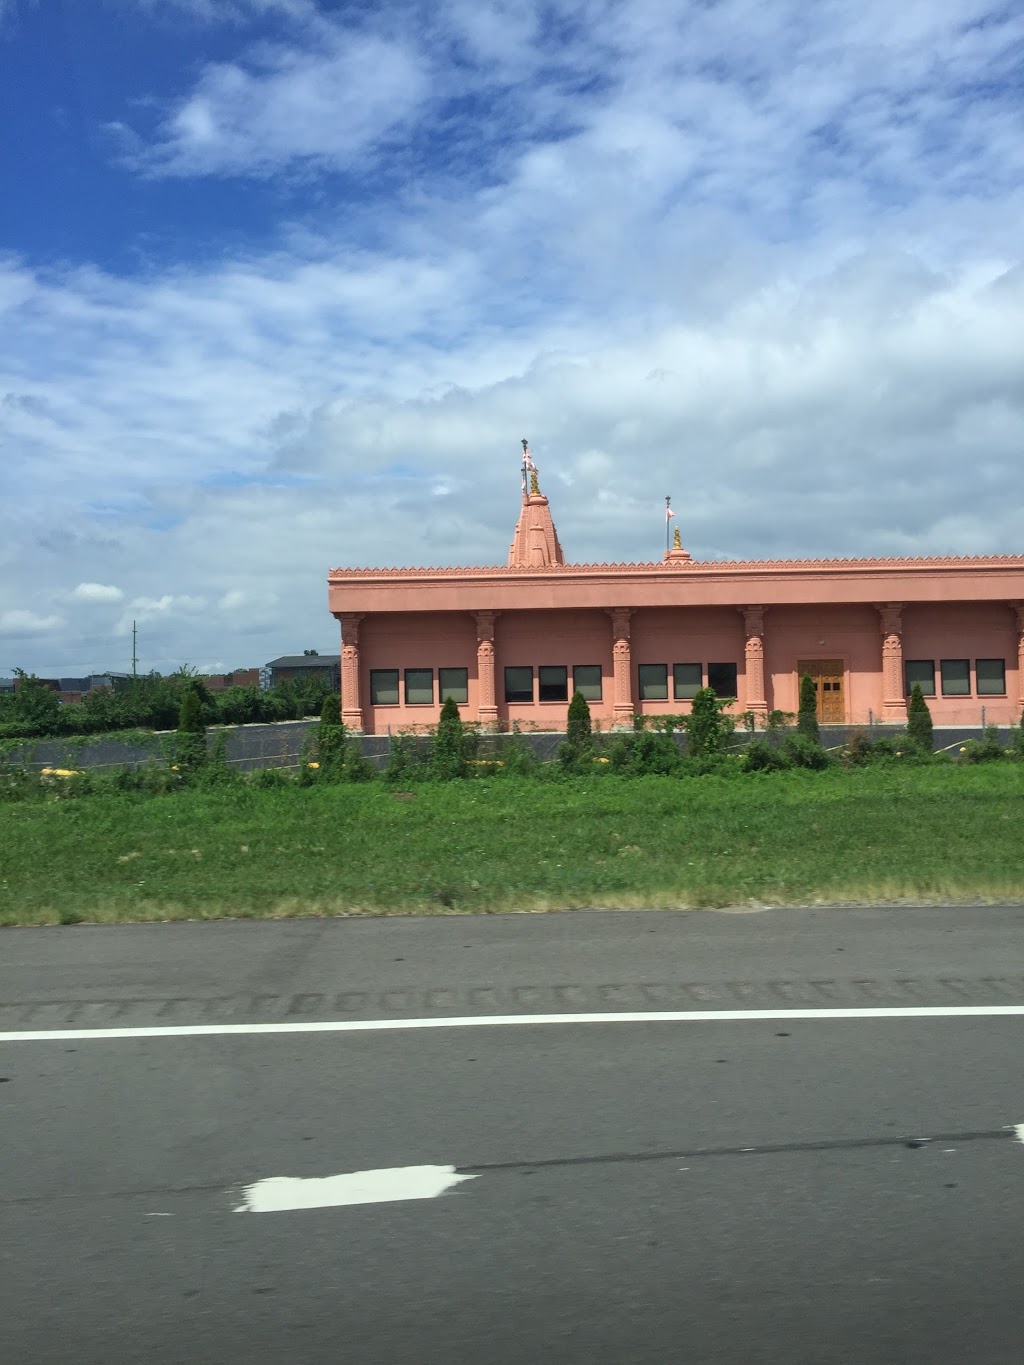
(279, 1193)
(1018, 1128)
(514, 1020)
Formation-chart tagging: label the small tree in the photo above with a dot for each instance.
(807, 715)
(448, 751)
(190, 750)
(919, 720)
(706, 727)
(579, 737)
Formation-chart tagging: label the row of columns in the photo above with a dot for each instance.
(894, 704)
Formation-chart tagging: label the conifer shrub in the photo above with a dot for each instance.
(707, 729)
(190, 747)
(919, 720)
(448, 749)
(807, 715)
(577, 750)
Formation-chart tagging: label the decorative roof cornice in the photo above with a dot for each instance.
(691, 566)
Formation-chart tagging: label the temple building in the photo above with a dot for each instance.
(512, 642)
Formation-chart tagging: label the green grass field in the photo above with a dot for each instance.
(919, 833)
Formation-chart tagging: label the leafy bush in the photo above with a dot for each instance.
(984, 750)
(804, 752)
(269, 779)
(807, 715)
(761, 757)
(919, 720)
(859, 750)
(517, 756)
(644, 752)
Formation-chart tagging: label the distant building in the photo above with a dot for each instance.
(292, 666)
(513, 642)
(241, 677)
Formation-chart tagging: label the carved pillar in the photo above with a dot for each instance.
(488, 706)
(351, 705)
(1018, 608)
(753, 624)
(894, 699)
(622, 664)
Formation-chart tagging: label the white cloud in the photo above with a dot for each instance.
(97, 592)
(19, 623)
(328, 104)
(762, 257)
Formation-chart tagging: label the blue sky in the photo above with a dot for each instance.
(283, 283)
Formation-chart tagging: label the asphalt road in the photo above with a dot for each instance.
(773, 1190)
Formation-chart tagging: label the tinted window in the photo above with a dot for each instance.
(586, 678)
(519, 684)
(686, 680)
(383, 686)
(991, 675)
(722, 680)
(956, 677)
(553, 683)
(653, 682)
(454, 683)
(920, 671)
(419, 687)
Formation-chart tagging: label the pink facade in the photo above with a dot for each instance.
(511, 642)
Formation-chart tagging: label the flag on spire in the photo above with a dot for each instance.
(528, 466)
(669, 514)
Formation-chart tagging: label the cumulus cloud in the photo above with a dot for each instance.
(97, 592)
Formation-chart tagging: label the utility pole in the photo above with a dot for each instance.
(135, 657)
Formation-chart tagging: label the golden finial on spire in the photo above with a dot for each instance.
(677, 543)
(534, 485)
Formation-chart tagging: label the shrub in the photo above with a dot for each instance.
(807, 715)
(761, 757)
(919, 720)
(405, 760)
(804, 752)
(644, 752)
(190, 749)
(264, 779)
(517, 756)
(707, 728)
(983, 750)
(578, 748)
(1018, 739)
(859, 750)
(448, 749)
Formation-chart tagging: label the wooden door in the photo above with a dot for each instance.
(828, 683)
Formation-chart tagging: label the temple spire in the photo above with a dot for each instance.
(535, 543)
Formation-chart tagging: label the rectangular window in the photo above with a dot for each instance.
(991, 674)
(653, 682)
(419, 687)
(920, 671)
(956, 677)
(553, 682)
(586, 678)
(454, 683)
(383, 686)
(687, 680)
(722, 680)
(519, 684)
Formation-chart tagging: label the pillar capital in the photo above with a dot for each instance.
(620, 621)
(485, 624)
(890, 617)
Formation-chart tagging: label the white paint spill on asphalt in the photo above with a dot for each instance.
(279, 1193)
